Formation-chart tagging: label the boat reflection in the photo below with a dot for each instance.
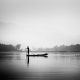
(28, 57)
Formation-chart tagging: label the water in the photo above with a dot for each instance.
(57, 66)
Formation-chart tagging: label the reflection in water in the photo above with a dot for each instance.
(34, 57)
(58, 66)
(27, 60)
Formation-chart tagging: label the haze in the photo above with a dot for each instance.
(40, 23)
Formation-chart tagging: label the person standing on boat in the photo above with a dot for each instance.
(28, 49)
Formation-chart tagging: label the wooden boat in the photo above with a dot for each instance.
(44, 55)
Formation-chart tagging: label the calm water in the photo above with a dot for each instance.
(57, 66)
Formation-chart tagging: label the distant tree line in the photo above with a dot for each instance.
(9, 47)
(71, 48)
(74, 48)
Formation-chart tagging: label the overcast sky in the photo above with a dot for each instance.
(40, 23)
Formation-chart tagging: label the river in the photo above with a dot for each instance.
(57, 66)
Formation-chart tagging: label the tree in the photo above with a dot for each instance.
(18, 46)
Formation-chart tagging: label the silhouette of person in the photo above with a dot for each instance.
(28, 49)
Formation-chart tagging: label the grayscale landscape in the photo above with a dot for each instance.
(39, 39)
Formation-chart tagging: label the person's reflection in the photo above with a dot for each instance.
(28, 60)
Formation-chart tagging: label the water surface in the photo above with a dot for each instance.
(57, 66)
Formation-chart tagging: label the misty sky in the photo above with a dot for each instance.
(40, 23)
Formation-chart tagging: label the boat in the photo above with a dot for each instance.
(43, 55)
